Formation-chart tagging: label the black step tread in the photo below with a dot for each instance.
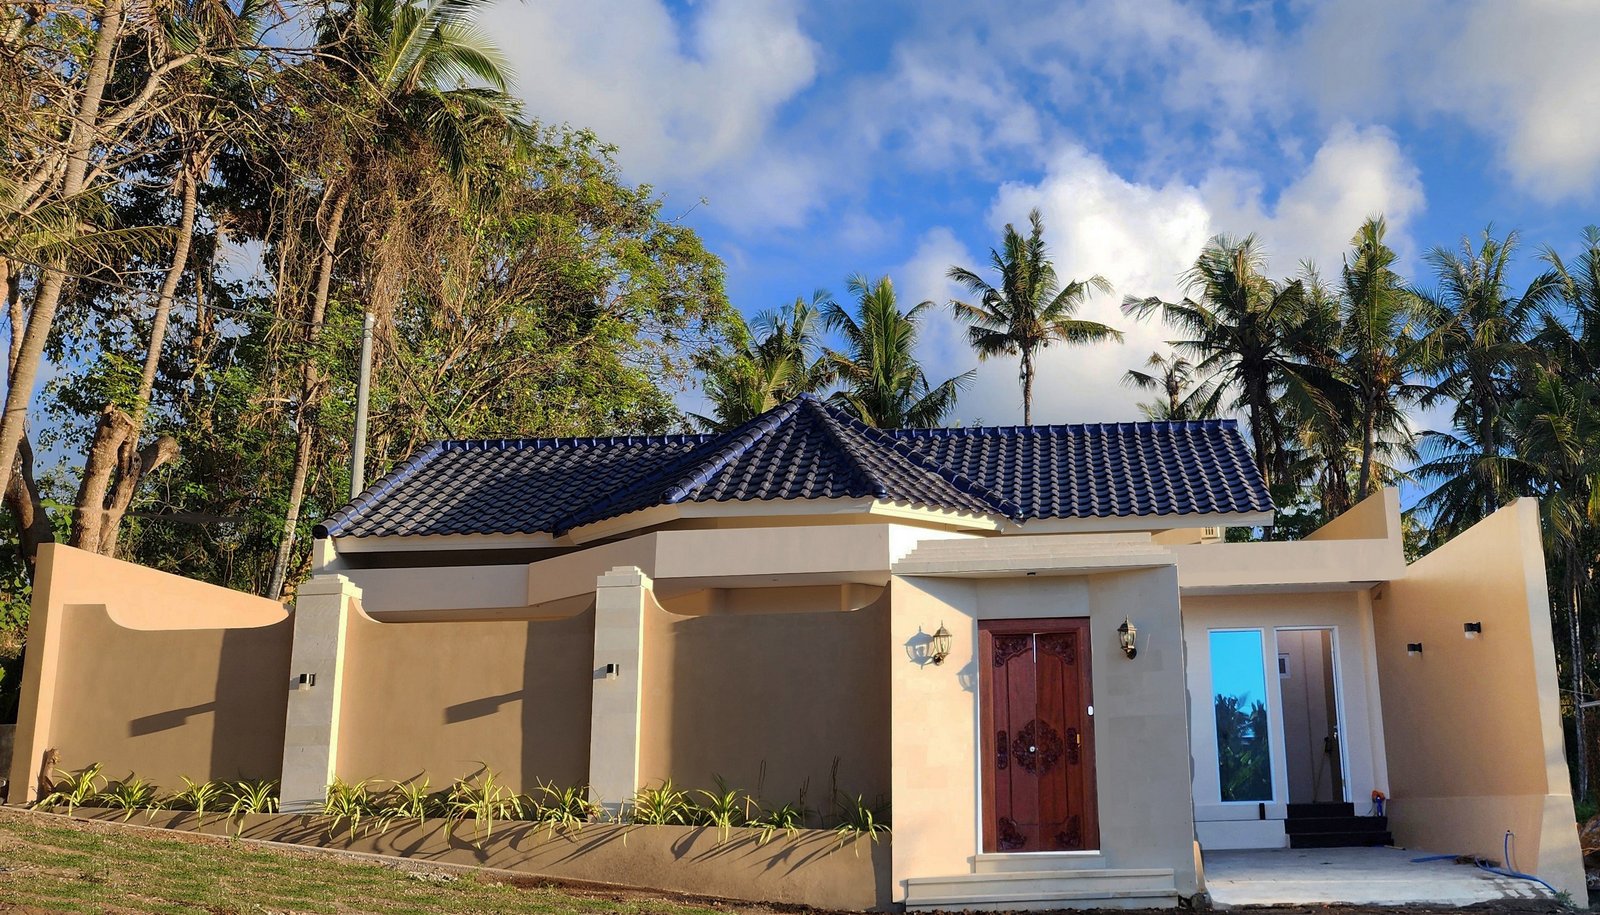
(1340, 840)
(1336, 824)
(1297, 811)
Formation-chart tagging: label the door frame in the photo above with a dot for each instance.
(986, 748)
(1338, 703)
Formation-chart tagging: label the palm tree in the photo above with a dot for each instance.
(1556, 433)
(885, 386)
(1479, 332)
(410, 65)
(1236, 325)
(785, 361)
(1382, 343)
(1180, 394)
(1030, 309)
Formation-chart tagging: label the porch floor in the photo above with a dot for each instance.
(1356, 876)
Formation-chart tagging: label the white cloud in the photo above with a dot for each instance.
(681, 100)
(1353, 175)
(1143, 237)
(1525, 74)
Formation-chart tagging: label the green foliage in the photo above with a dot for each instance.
(348, 804)
(788, 819)
(199, 796)
(484, 800)
(858, 819)
(74, 789)
(563, 810)
(724, 808)
(1243, 760)
(129, 794)
(663, 805)
(1030, 309)
(250, 796)
(884, 384)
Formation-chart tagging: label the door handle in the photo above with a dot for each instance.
(1077, 739)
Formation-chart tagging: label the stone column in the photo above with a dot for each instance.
(311, 732)
(622, 597)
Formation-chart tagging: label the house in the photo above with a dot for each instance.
(1032, 643)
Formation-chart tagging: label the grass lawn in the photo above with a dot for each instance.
(50, 864)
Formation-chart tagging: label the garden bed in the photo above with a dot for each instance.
(811, 866)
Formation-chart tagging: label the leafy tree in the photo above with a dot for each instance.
(884, 384)
(1382, 343)
(1030, 309)
(1182, 394)
(785, 361)
(1479, 340)
(1236, 328)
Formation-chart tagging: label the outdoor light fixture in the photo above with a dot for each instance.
(1414, 649)
(613, 671)
(305, 681)
(1472, 630)
(1128, 637)
(939, 645)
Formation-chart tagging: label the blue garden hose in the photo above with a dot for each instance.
(1507, 871)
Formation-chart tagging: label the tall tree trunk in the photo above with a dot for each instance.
(1027, 386)
(310, 381)
(1574, 589)
(116, 464)
(1368, 433)
(40, 317)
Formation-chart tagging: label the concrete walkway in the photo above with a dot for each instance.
(1357, 876)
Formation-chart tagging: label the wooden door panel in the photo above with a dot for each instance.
(1036, 740)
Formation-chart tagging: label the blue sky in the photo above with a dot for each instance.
(833, 137)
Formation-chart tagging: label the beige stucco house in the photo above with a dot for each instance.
(1032, 644)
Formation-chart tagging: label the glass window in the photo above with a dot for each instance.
(1239, 682)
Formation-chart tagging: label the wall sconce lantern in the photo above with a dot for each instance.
(305, 681)
(939, 645)
(1414, 649)
(1472, 630)
(1128, 638)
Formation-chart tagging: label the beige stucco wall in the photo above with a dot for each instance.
(148, 672)
(934, 745)
(768, 692)
(444, 699)
(1473, 726)
(1140, 718)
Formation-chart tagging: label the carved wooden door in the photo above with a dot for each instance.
(1037, 736)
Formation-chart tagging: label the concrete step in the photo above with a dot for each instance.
(1034, 861)
(1340, 839)
(1335, 824)
(1033, 890)
(1324, 809)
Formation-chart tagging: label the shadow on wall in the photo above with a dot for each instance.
(769, 701)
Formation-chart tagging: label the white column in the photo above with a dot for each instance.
(622, 597)
(311, 732)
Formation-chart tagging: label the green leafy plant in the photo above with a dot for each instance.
(484, 800)
(251, 796)
(128, 795)
(858, 819)
(724, 808)
(347, 804)
(407, 800)
(563, 809)
(788, 819)
(663, 805)
(74, 789)
(198, 796)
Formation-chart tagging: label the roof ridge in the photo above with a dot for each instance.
(521, 442)
(829, 422)
(1159, 425)
(737, 446)
(960, 481)
(380, 487)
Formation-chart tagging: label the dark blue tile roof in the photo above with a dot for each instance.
(805, 449)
